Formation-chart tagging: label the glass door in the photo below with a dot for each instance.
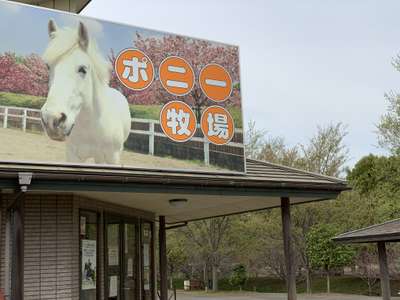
(130, 261)
(147, 261)
(113, 259)
(121, 259)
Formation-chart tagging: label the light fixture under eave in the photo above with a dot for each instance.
(178, 203)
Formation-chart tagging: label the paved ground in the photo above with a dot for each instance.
(264, 296)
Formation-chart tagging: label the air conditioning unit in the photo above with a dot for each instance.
(74, 6)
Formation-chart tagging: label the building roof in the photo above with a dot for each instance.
(269, 171)
(74, 6)
(385, 232)
(209, 194)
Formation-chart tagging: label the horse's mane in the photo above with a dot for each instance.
(64, 40)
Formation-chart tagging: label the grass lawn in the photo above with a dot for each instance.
(151, 112)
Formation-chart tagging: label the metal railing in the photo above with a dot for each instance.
(27, 115)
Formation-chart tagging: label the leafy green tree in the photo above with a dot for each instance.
(326, 153)
(367, 260)
(389, 124)
(254, 140)
(377, 180)
(176, 254)
(211, 238)
(326, 254)
(239, 276)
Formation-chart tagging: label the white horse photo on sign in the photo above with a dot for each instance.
(81, 109)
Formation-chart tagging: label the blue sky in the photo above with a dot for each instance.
(303, 63)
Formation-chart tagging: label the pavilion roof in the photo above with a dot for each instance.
(384, 232)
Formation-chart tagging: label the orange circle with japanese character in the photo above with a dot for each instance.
(217, 125)
(215, 82)
(178, 121)
(176, 76)
(134, 69)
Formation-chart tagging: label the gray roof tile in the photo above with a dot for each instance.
(388, 231)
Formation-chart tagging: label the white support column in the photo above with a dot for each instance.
(5, 117)
(24, 117)
(206, 152)
(151, 138)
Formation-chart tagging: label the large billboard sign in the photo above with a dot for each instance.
(76, 90)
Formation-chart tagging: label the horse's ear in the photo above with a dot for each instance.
(83, 36)
(52, 27)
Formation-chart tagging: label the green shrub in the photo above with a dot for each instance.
(239, 276)
(339, 284)
(20, 100)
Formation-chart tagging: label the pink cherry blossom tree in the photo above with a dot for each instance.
(23, 75)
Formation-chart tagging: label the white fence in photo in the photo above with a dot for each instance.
(28, 115)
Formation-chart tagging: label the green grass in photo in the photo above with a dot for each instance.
(151, 112)
(20, 100)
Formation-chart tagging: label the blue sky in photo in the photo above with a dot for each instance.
(26, 32)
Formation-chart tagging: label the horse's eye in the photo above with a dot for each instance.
(82, 70)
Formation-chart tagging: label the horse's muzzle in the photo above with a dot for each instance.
(55, 126)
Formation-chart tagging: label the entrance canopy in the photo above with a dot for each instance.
(201, 194)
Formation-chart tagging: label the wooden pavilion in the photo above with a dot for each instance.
(380, 234)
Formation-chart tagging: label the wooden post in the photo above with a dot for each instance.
(7, 257)
(162, 239)
(289, 259)
(17, 283)
(384, 270)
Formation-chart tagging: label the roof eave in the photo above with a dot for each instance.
(153, 178)
(368, 239)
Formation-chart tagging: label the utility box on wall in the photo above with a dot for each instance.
(74, 6)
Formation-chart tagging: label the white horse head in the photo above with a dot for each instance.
(75, 69)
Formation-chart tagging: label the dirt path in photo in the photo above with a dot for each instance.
(16, 145)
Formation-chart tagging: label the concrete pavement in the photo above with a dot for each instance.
(266, 296)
